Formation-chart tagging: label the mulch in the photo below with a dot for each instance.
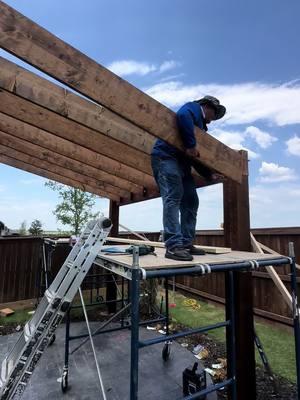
(280, 388)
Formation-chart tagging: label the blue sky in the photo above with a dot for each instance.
(245, 53)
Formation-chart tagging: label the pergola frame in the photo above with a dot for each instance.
(100, 140)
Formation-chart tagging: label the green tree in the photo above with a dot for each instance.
(23, 228)
(36, 228)
(75, 208)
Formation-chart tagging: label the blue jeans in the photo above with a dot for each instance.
(180, 200)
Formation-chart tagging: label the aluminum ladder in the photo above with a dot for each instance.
(20, 362)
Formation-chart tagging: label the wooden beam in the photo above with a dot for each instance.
(207, 249)
(47, 94)
(45, 166)
(49, 142)
(33, 44)
(273, 274)
(271, 251)
(15, 107)
(12, 162)
(80, 135)
(237, 236)
(61, 161)
(44, 93)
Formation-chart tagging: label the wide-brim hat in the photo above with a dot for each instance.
(214, 103)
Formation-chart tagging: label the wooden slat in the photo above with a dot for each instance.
(47, 170)
(91, 175)
(38, 47)
(273, 274)
(13, 162)
(16, 107)
(64, 102)
(271, 251)
(207, 249)
(48, 142)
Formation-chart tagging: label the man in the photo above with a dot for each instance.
(172, 172)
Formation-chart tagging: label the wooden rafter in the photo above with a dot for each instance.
(51, 167)
(13, 162)
(47, 94)
(90, 175)
(30, 42)
(48, 142)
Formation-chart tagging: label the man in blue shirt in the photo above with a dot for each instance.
(172, 172)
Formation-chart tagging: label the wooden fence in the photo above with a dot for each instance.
(20, 268)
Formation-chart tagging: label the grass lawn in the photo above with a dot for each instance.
(278, 344)
(18, 318)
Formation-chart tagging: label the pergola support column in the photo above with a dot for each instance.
(237, 236)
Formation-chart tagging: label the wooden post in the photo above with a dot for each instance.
(111, 289)
(237, 236)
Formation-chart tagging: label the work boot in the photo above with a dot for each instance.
(179, 254)
(194, 250)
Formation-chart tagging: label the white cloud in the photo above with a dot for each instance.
(132, 67)
(246, 103)
(271, 172)
(234, 140)
(268, 205)
(293, 145)
(168, 65)
(262, 138)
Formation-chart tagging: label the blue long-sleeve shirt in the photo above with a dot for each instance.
(188, 116)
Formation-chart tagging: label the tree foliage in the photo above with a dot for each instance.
(75, 208)
(23, 228)
(36, 228)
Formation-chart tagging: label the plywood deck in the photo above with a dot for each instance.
(160, 262)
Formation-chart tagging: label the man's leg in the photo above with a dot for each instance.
(188, 209)
(168, 176)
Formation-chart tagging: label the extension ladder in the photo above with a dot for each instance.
(21, 361)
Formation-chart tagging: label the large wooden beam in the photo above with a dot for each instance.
(64, 102)
(237, 236)
(33, 44)
(80, 135)
(47, 142)
(13, 162)
(23, 110)
(88, 173)
(78, 179)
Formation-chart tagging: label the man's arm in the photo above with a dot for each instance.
(186, 121)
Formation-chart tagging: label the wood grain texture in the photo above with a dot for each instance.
(33, 44)
(30, 164)
(15, 117)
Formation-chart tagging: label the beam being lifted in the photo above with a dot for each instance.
(33, 44)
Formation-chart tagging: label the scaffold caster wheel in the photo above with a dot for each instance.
(64, 381)
(52, 340)
(166, 351)
(99, 299)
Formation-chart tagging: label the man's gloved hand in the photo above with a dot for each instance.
(193, 152)
(217, 177)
